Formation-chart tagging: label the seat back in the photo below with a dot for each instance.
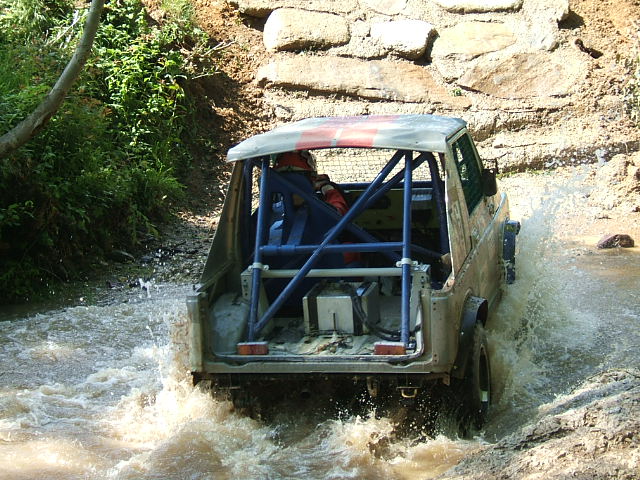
(296, 221)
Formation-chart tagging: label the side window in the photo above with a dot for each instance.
(469, 171)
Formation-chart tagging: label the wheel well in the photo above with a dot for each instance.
(476, 310)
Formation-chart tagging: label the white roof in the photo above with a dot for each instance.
(424, 133)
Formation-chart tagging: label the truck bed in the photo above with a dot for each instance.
(288, 336)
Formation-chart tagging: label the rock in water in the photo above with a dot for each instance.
(616, 240)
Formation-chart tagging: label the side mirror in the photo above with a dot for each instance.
(489, 183)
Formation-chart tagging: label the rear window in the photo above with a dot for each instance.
(359, 165)
(353, 166)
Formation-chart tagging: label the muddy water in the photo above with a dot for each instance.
(101, 392)
(574, 309)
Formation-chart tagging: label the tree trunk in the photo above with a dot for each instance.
(30, 126)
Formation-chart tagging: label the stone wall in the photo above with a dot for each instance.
(502, 65)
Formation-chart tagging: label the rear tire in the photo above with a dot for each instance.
(472, 394)
(477, 380)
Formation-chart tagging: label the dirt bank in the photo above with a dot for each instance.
(591, 433)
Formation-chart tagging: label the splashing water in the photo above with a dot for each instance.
(146, 286)
(102, 392)
(570, 312)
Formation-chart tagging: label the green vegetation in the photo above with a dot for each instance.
(108, 165)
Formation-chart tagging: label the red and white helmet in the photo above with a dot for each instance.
(296, 161)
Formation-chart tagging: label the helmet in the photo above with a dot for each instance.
(296, 161)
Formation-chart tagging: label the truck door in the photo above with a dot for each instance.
(478, 212)
(457, 217)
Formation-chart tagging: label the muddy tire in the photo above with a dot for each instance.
(476, 385)
(465, 405)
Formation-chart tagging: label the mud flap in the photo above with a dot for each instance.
(475, 310)
(511, 230)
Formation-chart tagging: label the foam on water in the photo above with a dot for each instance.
(114, 401)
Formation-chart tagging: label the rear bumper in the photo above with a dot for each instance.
(325, 365)
(273, 385)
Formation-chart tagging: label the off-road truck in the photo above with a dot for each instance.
(391, 296)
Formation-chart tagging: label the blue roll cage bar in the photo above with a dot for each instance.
(372, 193)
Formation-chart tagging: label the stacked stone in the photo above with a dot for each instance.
(499, 64)
(427, 52)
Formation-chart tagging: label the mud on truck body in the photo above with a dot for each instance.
(283, 303)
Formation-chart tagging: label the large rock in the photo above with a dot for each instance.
(525, 75)
(473, 6)
(295, 29)
(543, 17)
(545, 36)
(542, 10)
(559, 10)
(471, 39)
(262, 8)
(378, 79)
(408, 38)
(590, 433)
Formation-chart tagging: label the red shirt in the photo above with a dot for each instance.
(334, 198)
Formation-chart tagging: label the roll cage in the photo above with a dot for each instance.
(312, 254)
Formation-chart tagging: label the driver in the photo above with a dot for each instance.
(301, 161)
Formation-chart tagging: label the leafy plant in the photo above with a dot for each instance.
(31, 19)
(107, 167)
